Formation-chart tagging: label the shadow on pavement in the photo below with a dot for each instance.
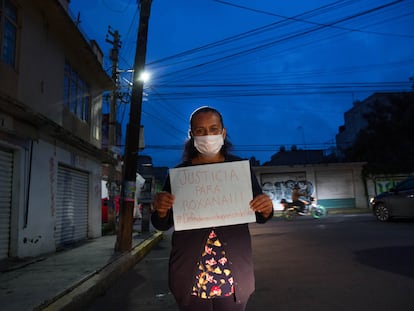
(395, 259)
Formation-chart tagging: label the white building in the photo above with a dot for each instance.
(355, 121)
(51, 84)
(334, 185)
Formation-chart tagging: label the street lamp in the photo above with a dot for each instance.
(144, 76)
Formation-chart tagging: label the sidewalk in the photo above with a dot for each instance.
(69, 279)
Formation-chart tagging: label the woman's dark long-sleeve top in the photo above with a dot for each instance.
(188, 245)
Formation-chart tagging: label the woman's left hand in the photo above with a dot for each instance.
(262, 204)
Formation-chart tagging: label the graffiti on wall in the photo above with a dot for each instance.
(385, 184)
(283, 189)
(279, 186)
(279, 190)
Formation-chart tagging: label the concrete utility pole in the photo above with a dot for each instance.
(114, 57)
(124, 237)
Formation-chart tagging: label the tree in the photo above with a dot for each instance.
(387, 142)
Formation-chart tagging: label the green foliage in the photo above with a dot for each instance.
(387, 143)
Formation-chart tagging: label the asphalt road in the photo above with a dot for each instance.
(341, 262)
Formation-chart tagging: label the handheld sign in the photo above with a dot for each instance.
(212, 195)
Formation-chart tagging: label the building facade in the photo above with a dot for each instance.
(51, 85)
(334, 185)
(354, 120)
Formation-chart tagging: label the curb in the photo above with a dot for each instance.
(336, 211)
(85, 291)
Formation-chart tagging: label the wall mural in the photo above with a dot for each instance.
(385, 184)
(279, 190)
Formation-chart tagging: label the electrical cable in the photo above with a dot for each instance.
(158, 94)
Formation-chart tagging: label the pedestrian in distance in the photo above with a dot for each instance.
(210, 268)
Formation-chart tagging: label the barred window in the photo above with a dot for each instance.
(8, 32)
(76, 95)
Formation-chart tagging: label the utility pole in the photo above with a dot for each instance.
(111, 185)
(124, 237)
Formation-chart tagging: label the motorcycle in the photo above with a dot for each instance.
(311, 208)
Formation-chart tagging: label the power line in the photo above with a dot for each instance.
(254, 148)
(291, 36)
(116, 10)
(313, 23)
(160, 92)
(271, 92)
(243, 35)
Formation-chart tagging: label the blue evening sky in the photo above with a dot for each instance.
(281, 72)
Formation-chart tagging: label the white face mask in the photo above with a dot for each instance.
(208, 145)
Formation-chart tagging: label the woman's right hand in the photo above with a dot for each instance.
(163, 201)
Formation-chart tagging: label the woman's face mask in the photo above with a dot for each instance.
(208, 145)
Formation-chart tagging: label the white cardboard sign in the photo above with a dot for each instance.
(212, 195)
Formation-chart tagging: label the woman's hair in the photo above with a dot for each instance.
(190, 152)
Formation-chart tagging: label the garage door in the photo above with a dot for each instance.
(6, 177)
(71, 214)
(335, 189)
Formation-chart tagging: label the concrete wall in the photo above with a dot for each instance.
(377, 184)
(335, 185)
(34, 204)
(44, 48)
(33, 114)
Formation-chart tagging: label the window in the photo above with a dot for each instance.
(8, 32)
(76, 94)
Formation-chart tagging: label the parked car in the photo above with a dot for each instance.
(397, 202)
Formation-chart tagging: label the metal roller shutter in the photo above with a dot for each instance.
(336, 189)
(335, 185)
(71, 215)
(6, 177)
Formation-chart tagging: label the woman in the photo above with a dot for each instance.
(210, 268)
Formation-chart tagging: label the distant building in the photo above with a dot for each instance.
(112, 188)
(51, 85)
(317, 173)
(299, 156)
(105, 135)
(147, 170)
(354, 120)
(320, 172)
(334, 185)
